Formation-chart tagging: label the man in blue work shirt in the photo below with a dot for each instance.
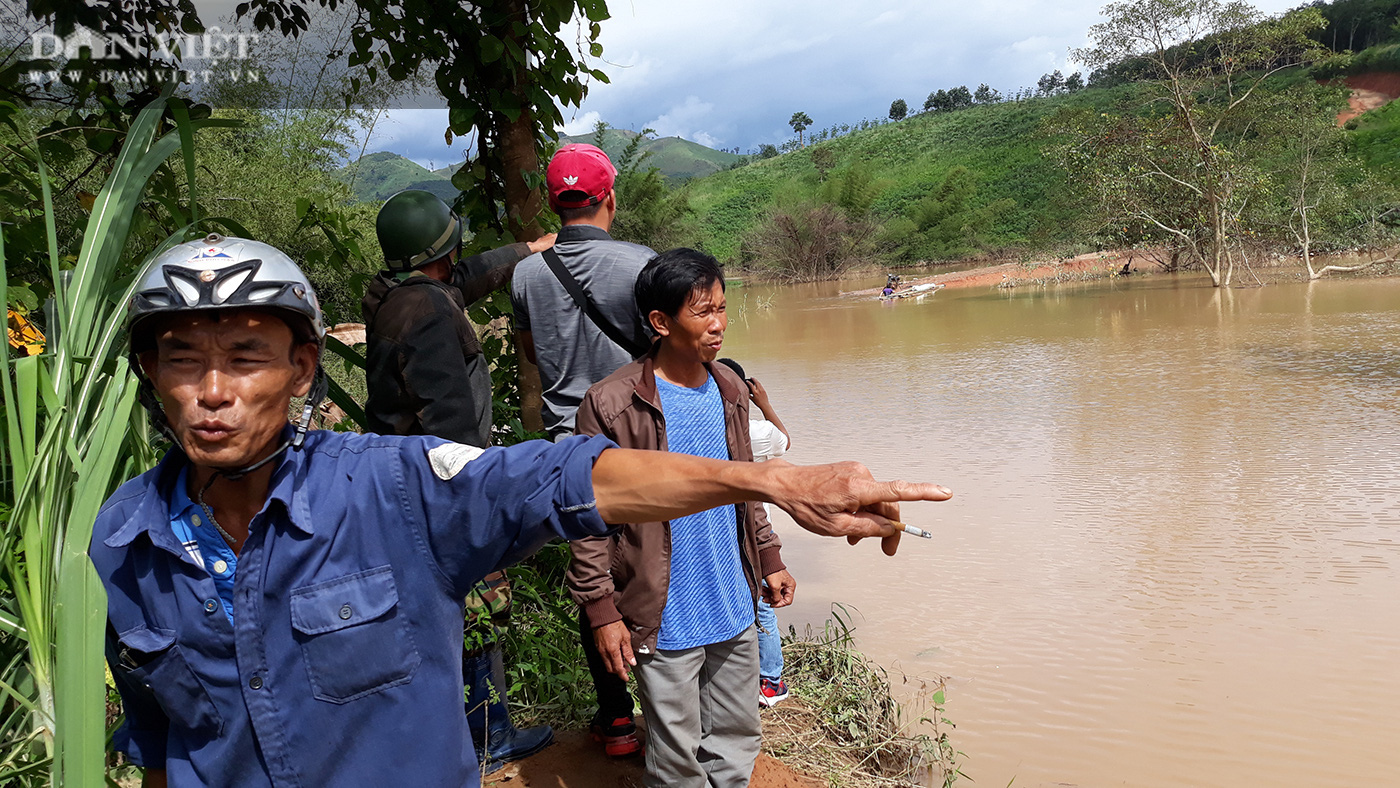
(285, 606)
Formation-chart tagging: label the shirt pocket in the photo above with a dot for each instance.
(353, 636)
(152, 659)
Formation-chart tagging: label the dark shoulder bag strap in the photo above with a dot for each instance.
(581, 299)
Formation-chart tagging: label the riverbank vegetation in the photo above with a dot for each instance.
(842, 724)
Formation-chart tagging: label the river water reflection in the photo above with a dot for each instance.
(1174, 554)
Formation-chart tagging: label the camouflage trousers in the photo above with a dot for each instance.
(488, 613)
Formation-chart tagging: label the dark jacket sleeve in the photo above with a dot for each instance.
(483, 273)
(589, 577)
(439, 379)
(769, 545)
(145, 729)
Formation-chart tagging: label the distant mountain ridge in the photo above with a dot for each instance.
(376, 176)
(678, 159)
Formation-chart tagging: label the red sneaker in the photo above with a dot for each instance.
(619, 737)
(771, 693)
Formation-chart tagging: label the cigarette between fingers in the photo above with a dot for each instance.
(911, 530)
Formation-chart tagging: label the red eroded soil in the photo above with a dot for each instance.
(575, 761)
(1369, 91)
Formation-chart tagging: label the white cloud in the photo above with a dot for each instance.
(684, 119)
(581, 124)
(1032, 44)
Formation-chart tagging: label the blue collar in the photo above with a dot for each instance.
(160, 496)
(178, 500)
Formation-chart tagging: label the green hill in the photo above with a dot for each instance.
(900, 164)
(376, 176)
(988, 162)
(678, 159)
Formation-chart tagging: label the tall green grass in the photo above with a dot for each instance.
(73, 431)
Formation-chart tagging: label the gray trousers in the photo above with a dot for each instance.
(701, 706)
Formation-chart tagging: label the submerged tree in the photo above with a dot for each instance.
(1319, 180)
(1173, 163)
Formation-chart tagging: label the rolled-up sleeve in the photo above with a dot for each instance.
(486, 510)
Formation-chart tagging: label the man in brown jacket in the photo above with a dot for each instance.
(676, 599)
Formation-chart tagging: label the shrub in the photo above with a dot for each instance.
(809, 244)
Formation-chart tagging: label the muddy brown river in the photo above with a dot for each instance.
(1174, 554)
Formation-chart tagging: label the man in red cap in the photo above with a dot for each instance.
(578, 321)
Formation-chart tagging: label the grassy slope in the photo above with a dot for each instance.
(379, 175)
(1377, 141)
(908, 160)
(999, 143)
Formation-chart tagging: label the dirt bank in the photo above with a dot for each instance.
(574, 761)
(1086, 266)
(1368, 92)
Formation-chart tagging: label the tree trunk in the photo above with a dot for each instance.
(1348, 268)
(1306, 240)
(520, 154)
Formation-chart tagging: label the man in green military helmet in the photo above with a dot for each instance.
(427, 376)
(425, 369)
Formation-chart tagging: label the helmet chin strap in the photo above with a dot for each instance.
(320, 385)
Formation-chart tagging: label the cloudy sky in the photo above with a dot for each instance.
(729, 73)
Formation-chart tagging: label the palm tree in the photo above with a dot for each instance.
(798, 122)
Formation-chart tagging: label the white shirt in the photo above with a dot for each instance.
(767, 440)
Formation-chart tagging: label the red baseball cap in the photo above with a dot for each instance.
(579, 175)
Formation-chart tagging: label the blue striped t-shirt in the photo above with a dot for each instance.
(708, 599)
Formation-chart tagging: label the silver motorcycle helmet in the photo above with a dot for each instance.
(219, 272)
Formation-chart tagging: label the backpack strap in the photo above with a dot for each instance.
(630, 344)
